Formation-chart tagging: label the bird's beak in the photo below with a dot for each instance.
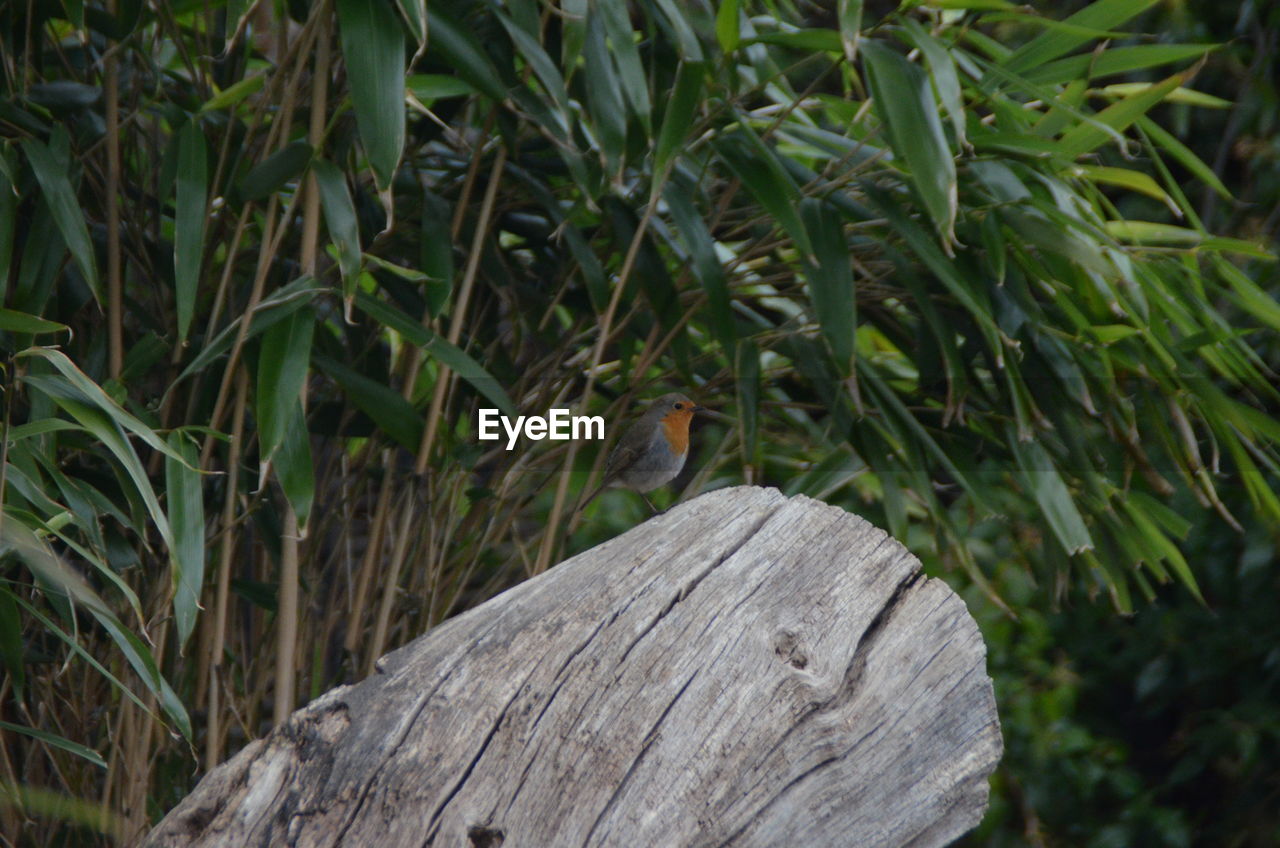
(697, 408)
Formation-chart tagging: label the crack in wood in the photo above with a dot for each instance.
(524, 776)
(781, 793)
(433, 823)
(687, 589)
(405, 728)
(533, 726)
(649, 739)
(573, 654)
(857, 668)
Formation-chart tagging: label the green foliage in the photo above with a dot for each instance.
(1157, 730)
(939, 268)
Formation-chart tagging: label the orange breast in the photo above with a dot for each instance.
(676, 426)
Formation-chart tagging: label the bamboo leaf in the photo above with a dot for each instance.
(88, 511)
(280, 305)
(8, 219)
(186, 517)
(16, 537)
(271, 174)
(373, 47)
(690, 48)
(282, 372)
(1125, 178)
(1188, 96)
(436, 254)
(910, 428)
(1249, 295)
(415, 17)
(79, 651)
(1261, 495)
(626, 55)
(942, 72)
(904, 101)
(1045, 484)
(1086, 137)
(1109, 334)
(679, 114)
(758, 168)
(815, 40)
(459, 49)
(1159, 543)
(430, 87)
(849, 13)
(12, 649)
(294, 466)
(87, 391)
(391, 412)
(706, 264)
(602, 87)
(975, 5)
(1118, 60)
(51, 172)
(13, 321)
(340, 218)
(1154, 232)
(1179, 151)
(994, 244)
(1078, 29)
(188, 222)
(895, 504)
(99, 422)
(728, 28)
(57, 741)
(233, 94)
(451, 355)
(538, 60)
(830, 280)
(965, 289)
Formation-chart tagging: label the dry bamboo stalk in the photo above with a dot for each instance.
(115, 281)
(369, 562)
(272, 235)
(556, 519)
(443, 378)
(287, 609)
(214, 732)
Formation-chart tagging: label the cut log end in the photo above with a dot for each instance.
(747, 669)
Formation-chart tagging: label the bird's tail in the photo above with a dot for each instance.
(589, 498)
(576, 515)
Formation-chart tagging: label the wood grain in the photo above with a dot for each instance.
(747, 669)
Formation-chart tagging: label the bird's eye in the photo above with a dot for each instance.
(679, 405)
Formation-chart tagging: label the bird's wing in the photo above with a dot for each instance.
(620, 457)
(623, 456)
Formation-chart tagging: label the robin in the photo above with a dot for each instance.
(652, 451)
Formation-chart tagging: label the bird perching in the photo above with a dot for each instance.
(652, 450)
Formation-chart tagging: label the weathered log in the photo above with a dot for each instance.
(746, 669)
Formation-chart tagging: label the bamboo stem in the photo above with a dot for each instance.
(460, 307)
(372, 553)
(115, 285)
(291, 537)
(550, 535)
(213, 740)
(382, 623)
